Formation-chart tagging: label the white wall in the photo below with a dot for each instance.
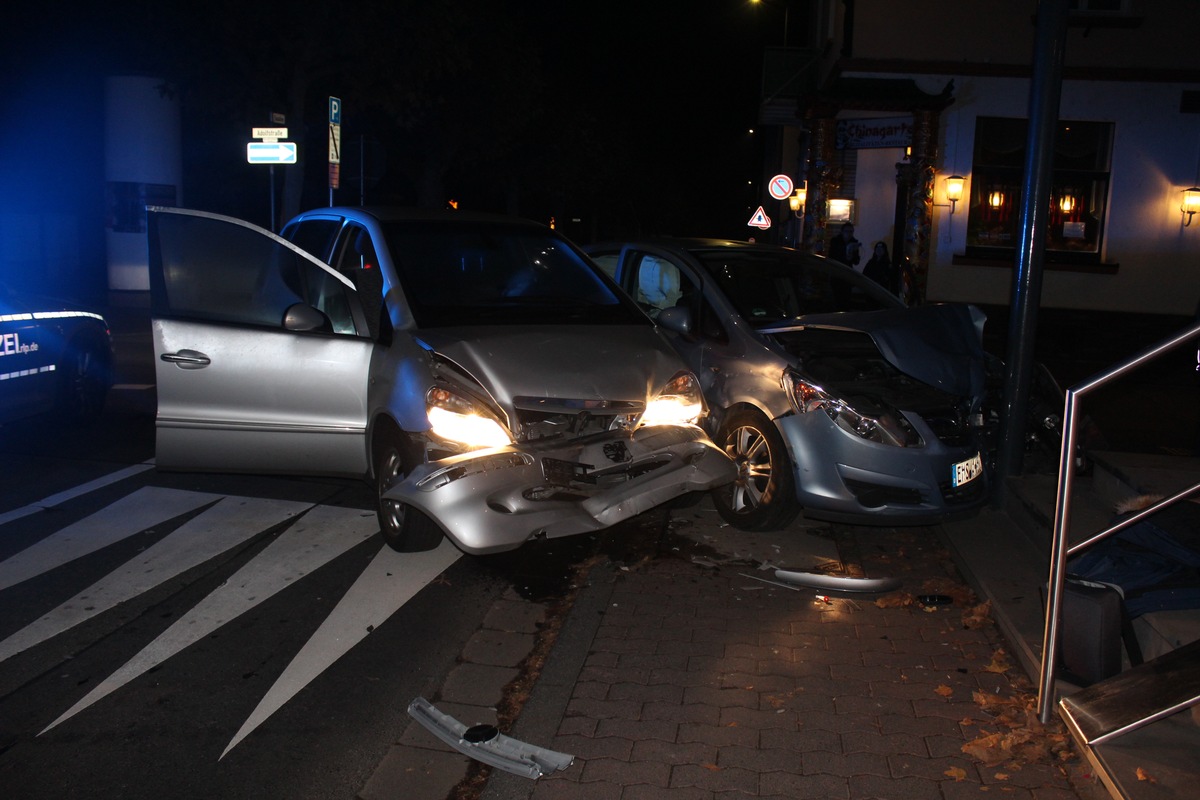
(1156, 154)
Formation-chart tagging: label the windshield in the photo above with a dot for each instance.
(458, 273)
(768, 287)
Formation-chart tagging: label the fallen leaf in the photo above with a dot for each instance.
(1142, 775)
(1001, 776)
(896, 600)
(958, 773)
(944, 690)
(977, 617)
(712, 767)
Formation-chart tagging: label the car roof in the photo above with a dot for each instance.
(407, 214)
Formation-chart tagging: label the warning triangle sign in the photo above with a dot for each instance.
(760, 219)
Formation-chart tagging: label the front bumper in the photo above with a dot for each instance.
(842, 478)
(492, 500)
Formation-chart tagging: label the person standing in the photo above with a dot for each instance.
(879, 268)
(844, 247)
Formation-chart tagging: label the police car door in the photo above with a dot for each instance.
(261, 353)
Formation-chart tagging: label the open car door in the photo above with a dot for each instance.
(261, 351)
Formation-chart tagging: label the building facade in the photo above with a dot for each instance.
(903, 96)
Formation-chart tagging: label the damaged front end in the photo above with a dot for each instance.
(555, 466)
(893, 402)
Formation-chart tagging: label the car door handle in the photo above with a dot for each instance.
(187, 359)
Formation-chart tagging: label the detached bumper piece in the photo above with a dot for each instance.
(485, 743)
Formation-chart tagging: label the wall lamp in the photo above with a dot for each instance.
(954, 190)
(1191, 204)
(797, 200)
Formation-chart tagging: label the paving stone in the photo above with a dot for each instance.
(758, 719)
(714, 778)
(721, 697)
(638, 729)
(759, 759)
(604, 709)
(626, 773)
(518, 616)
(420, 773)
(894, 788)
(498, 648)
(845, 765)
(863, 742)
(809, 787)
(560, 788)
(688, 712)
(918, 726)
(672, 752)
(477, 684)
(716, 735)
(585, 748)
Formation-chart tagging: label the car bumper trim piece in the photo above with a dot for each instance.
(484, 743)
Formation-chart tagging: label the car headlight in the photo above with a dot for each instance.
(463, 420)
(679, 403)
(884, 427)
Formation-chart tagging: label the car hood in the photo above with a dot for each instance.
(940, 344)
(587, 362)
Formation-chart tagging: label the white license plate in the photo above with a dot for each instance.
(967, 471)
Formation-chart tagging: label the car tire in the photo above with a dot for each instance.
(763, 496)
(83, 376)
(404, 528)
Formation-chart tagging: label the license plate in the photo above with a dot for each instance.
(967, 471)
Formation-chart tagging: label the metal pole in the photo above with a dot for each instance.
(1045, 92)
(272, 177)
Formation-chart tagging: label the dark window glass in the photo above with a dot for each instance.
(313, 236)
(222, 272)
(473, 273)
(1078, 196)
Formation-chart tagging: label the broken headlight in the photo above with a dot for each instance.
(679, 403)
(885, 427)
(463, 420)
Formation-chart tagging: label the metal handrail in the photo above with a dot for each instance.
(1059, 550)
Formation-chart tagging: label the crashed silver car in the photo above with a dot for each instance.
(492, 383)
(830, 393)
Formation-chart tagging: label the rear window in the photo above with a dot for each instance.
(456, 273)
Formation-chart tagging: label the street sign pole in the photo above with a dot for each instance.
(269, 150)
(335, 144)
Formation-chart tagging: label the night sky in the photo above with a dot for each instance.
(631, 116)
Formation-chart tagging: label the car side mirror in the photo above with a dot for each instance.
(300, 317)
(677, 319)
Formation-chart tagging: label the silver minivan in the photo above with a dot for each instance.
(492, 383)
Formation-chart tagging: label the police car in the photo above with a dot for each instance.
(52, 358)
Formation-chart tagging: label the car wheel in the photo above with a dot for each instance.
(764, 495)
(404, 528)
(83, 381)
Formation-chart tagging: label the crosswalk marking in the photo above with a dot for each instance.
(320, 536)
(388, 582)
(78, 491)
(231, 521)
(317, 535)
(134, 513)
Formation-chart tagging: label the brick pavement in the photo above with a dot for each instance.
(684, 673)
(701, 681)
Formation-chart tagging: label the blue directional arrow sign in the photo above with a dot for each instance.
(271, 152)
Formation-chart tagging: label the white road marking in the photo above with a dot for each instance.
(78, 491)
(388, 582)
(230, 522)
(132, 514)
(320, 536)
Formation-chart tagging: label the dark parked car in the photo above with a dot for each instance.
(828, 391)
(493, 383)
(52, 358)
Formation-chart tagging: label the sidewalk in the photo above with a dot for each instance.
(691, 674)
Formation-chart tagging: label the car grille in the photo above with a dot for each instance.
(950, 426)
(874, 495)
(549, 418)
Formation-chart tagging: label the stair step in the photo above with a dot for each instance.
(1136, 697)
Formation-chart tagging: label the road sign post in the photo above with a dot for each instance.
(271, 151)
(335, 144)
